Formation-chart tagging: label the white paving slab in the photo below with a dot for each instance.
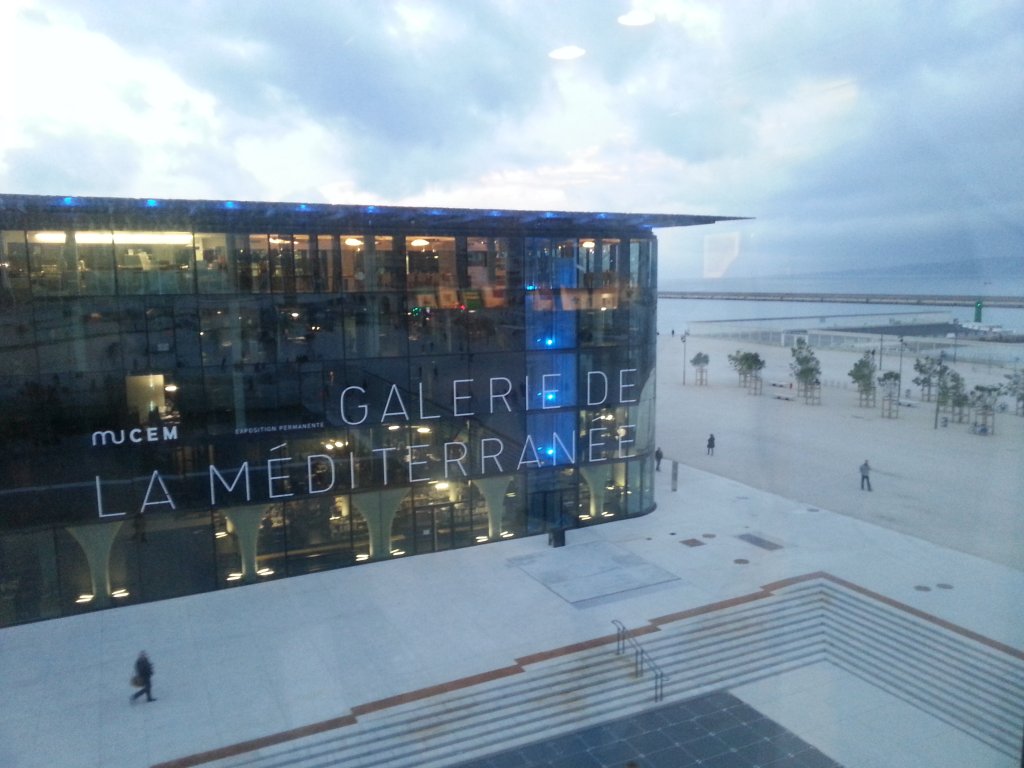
(251, 661)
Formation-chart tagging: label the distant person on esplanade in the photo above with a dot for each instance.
(865, 475)
(658, 456)
(143, 678)
(711, 445)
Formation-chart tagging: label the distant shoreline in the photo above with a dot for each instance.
(930, 300)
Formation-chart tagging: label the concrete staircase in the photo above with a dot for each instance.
(968, 683)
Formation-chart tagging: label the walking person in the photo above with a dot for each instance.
(865, 475)
(711, 445)
(143, 677)
(658, 456)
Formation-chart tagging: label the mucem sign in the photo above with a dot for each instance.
(205, 393)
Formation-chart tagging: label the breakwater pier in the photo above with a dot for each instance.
(929, 300)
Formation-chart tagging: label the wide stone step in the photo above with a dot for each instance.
(957, 700)
(559, 695)
(975, 658)
(954, 666)
(450, 741)
(582, 668)
(966, 683)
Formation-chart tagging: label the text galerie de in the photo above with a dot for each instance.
(321, 473)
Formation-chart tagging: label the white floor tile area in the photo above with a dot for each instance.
(256, 660)
(862, 726)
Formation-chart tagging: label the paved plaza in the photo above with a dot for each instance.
(939, 537)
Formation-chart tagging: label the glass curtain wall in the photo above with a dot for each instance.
(228, 407)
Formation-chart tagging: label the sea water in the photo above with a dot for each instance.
(675, 314)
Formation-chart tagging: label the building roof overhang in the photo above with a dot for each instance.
(23, 211)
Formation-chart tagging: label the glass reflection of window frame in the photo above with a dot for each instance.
(14, 272)
(281, 259)
(60, 265)
(216, 266)
(432, 271)
(487, 272)
(259, 262)
(150, 262)
(354, 263)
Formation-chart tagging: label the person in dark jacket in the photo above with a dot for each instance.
(865, 475)
(144, 673)
(711, 445)
(658, 456)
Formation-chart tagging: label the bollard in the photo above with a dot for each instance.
(675, 475)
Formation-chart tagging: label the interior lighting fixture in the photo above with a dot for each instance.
(419, 242)
(423, 430)
(234, 576)
(49, 237)
(362, 558)
(585, 517)
(84, 598)
(220, 535)
(393, 428)
(481, 539)
(116, 238)
(355, 242)
(567, 53)
(442, 486)
(119, 593)
(171, 388)
(636, 18)
(507, 534)
(397, 552)
(588, 244)
(265, 572)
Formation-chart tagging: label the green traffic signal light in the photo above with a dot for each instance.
(977, 310)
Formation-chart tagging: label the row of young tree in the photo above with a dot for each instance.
(936, 379)
(805, 367)
(939, 383)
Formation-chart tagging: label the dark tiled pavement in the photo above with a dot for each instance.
(712, 731)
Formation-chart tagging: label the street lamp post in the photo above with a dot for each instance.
(938, 388)
(685, 334)
(900, 381)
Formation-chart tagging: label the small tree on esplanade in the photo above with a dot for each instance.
(700, 365)
(807, 371)
(863, 375)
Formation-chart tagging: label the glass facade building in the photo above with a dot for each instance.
(201, 394)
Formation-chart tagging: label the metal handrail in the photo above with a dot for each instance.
(641, 659)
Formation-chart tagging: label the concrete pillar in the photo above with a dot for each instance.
(596, 477)
(97, 541)
(379, 508)
(245, 522)
(493, 490)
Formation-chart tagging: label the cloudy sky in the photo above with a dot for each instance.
(860, 135)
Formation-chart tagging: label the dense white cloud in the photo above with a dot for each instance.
(858, 135)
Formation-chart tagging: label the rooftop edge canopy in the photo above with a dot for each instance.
(19, 211)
